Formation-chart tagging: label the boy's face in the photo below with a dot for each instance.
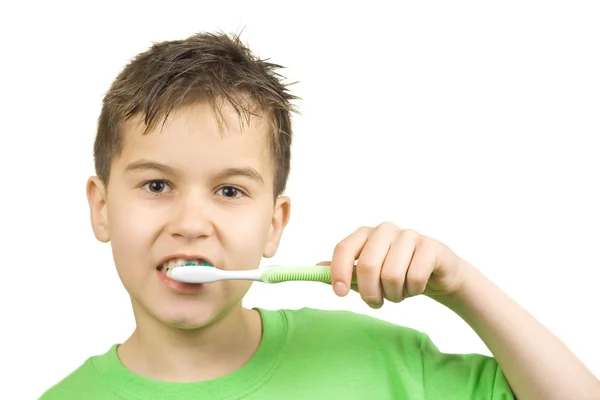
(192, 190)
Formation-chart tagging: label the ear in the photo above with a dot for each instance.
(96, 195)
(281, 217)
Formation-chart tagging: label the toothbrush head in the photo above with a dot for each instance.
(185, 264)
(195, 273)
(195, 264)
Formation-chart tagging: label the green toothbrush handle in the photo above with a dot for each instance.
(309, 274)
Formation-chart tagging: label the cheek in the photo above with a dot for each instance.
(132, 231)
(247, 237)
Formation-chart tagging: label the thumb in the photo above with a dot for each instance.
(328, 263)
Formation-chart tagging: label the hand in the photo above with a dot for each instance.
(394, 264)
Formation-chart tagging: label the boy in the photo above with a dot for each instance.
(192, 155)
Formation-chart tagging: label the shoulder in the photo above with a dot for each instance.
(345, 325)
(67, 387)
(84, 379)
(344, 319)
(408, 353)
(350, 343)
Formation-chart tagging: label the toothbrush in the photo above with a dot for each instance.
(190, 273)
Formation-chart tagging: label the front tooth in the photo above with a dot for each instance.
(182, 262)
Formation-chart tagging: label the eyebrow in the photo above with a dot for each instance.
(143, 165)
(246, 172)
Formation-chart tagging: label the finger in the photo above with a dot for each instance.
(370, 263)
(420, 269)
(323, 264)
(342, 261)
(393, 274)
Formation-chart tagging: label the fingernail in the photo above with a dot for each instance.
(339, 288)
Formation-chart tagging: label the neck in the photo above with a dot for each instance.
(169, 354)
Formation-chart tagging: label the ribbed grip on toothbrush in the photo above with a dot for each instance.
(286, 274)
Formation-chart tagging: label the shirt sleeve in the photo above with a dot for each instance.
(461, 376)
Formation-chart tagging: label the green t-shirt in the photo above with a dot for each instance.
(311, 354)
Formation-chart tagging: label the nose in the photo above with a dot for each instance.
(191, 218)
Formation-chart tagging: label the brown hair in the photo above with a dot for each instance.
(205, 66)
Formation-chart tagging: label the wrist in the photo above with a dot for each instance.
(469, 290)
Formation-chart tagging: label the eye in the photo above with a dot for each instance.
(231, 192)
(156, 187)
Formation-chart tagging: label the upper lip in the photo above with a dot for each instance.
(185, 257)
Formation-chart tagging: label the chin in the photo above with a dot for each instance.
(191, 315)
(187, 317)
(182, 311)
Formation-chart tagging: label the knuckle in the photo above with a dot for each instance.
(392, 278)
(393, 292)
(426, 242)
(395, 297)
(364, 228)
(417, 290)
(386, 224)
(341, 247)
(371, 298)
(416, 281)
(414, 285)
(411, 233)
(367, 268)
(411, 236)
(389, 227)
(428, 246)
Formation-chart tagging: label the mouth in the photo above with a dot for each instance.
(171, 263)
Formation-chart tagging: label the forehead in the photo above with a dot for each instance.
(195, 137)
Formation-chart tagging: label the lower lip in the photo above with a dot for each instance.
(179, 287)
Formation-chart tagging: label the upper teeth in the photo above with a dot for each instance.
(180, 262)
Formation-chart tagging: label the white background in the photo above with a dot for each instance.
(473, 123)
